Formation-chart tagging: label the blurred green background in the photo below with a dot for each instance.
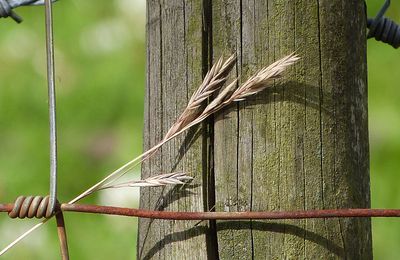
(100, 59)
(100, 65)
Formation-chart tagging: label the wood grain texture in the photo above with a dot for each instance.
(174, 71)
(301, 144)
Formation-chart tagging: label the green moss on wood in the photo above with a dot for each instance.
(301, 144)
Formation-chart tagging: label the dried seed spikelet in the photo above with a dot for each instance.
(175, 178)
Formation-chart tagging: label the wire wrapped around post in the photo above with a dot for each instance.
(384, 29)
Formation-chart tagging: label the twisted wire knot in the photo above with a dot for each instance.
(5, 8)
(384, 30)
(30, 207)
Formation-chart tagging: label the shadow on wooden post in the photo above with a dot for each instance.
(302, 144)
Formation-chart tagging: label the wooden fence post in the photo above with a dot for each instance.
(301, 144)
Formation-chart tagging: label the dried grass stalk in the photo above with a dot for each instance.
(255, 84)
(193, 114)
(212, 83)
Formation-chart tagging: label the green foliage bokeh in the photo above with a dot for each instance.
(100, 58)
(100, 66)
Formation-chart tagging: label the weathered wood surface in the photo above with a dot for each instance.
(302, 144)
(174, 71)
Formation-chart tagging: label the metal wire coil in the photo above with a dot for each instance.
(30, 207)
(384, 30)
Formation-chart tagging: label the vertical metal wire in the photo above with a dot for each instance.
(52, 104)
(62, 236)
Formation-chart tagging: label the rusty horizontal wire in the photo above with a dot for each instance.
(299, 214)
